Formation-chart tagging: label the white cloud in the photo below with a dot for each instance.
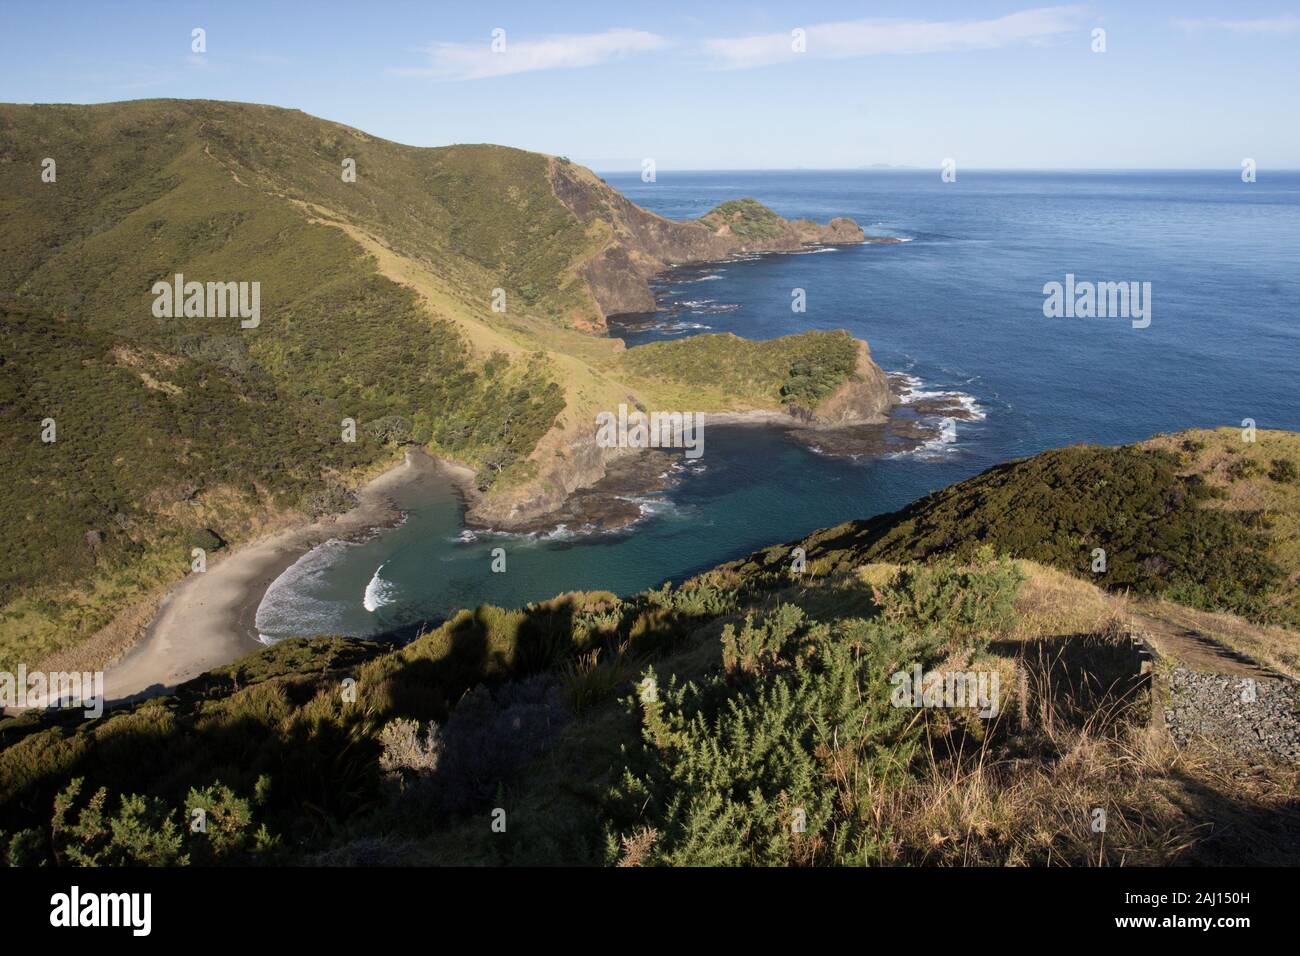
(876, 36)
(1284, 24)
(476, 61)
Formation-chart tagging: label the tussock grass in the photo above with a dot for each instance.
(1162, 806)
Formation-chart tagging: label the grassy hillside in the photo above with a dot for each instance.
(159, 418)
(687, 725)
(794, 368)
(376, 306)
(1202, 518)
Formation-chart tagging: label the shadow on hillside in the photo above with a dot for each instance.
(1239, 829)
(1084, 678)
(284, 714)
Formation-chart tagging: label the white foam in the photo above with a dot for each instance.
(915, 393)
(379, 593)
(940, 446)
(289, 605)
(650, 505)
(945, 438)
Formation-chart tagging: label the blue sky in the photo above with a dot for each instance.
(712, 85)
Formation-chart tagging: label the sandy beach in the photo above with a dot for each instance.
(209, 619)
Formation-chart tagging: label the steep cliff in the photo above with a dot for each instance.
(637, 244)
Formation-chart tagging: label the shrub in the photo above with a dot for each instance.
(227, 834)
(967, 605)
(409, 755)
(142, 833)
(770, 764)
(207, 539)
(331, 499)
(1283, 471)
(1242, 468)
(758, 650)
(389, 430)
(489, 737)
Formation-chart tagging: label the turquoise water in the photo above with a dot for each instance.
(958, 307)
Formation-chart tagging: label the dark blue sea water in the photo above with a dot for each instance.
(959, 306)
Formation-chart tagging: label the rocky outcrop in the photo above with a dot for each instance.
(865, 399)
(570, 461)
(640, 244)
(584, 463)
(634, 245)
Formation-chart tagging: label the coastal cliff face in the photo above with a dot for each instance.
(569, 459)
(638, 244)
(865, 399)
(579, 464)
(633, 245)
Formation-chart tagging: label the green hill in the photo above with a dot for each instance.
(747, 716)
(1203, 518)
(378, 304)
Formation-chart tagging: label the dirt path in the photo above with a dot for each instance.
(1196, 651)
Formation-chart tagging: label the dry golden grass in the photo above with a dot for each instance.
(1072, 739)
(1053, 603)
(1162, 805)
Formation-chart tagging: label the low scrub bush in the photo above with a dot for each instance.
(773, 759)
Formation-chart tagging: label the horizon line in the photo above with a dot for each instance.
(863, 168)
(932, 169)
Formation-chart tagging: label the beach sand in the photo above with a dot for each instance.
(208, 619)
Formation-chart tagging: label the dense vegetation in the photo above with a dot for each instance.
(376, 740)
(793, 369)
(748, 219)
(169, 425)
(742, 717)
(737, 719)
(684, 724)
(1222, 539)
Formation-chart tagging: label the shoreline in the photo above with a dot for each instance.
(209, 619)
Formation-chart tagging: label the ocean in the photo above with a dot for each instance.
(958, 307)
